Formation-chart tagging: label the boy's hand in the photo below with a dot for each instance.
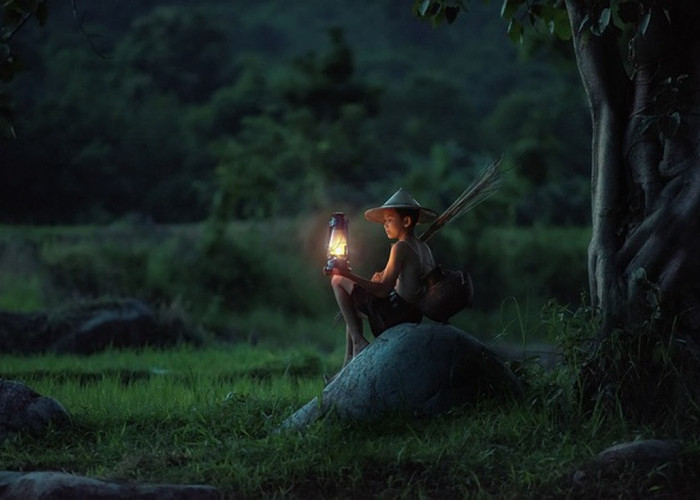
(377, 277)
(341, 271)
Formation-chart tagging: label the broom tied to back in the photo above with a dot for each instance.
(481, 188)
(447, 291)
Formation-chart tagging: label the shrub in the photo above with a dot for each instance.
(91, 268)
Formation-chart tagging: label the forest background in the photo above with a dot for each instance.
(191, 154)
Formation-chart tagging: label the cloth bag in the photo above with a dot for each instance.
(447, 292)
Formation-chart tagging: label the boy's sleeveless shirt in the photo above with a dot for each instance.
(409, 285)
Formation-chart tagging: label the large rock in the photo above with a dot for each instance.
(119, 324)
(24, 410)
(423, 369)
(58, 485)
(87, 327)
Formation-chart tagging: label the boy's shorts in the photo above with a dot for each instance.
(384, 312)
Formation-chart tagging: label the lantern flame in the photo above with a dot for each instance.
(337, 247)
(338, 244)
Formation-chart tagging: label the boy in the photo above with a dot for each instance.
(391, 296)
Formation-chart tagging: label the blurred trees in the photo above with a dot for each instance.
(14, 14)
(161, 108)
(174, 51)
(289, 157)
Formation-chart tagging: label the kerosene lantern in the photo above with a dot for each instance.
(337, 243)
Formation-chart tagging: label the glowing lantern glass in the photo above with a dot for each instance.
(337, 243)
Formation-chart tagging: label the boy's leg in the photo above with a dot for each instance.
(348, 346)
(355, 341)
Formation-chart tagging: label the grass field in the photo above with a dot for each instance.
(209, 416)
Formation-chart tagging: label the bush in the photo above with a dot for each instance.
(95, 267)
(537, 262)
(231, 271)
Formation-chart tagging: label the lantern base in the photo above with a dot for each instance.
(335, 263)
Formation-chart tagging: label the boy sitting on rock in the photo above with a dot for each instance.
(392, 295)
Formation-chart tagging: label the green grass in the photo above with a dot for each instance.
(209, 416)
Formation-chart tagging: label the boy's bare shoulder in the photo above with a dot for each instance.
(408, 251)
(401, 250)
(401, 246)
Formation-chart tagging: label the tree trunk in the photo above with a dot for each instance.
(644, 254)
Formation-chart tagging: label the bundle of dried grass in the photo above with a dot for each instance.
(485, 185)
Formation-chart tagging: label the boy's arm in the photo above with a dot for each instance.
(377, 288)
(383, 282)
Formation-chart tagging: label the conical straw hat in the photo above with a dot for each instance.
(400, 199)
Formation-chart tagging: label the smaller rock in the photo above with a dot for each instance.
(647, 450)
(87, 327)
(631, 470)
(24, 410)
(23, 485)
(120, 324)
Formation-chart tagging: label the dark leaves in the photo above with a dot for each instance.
(437, 11)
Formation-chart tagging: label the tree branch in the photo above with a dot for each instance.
(80, 23)
(12, 33)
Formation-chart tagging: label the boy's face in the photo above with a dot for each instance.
(394, 225)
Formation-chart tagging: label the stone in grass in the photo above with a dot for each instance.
(24, 410)
(87, 327)
(96, 327)
(420, 368)
(643, 455)
(646, 450)
(59, 485)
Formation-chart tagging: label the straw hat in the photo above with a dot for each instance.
(400, 199)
